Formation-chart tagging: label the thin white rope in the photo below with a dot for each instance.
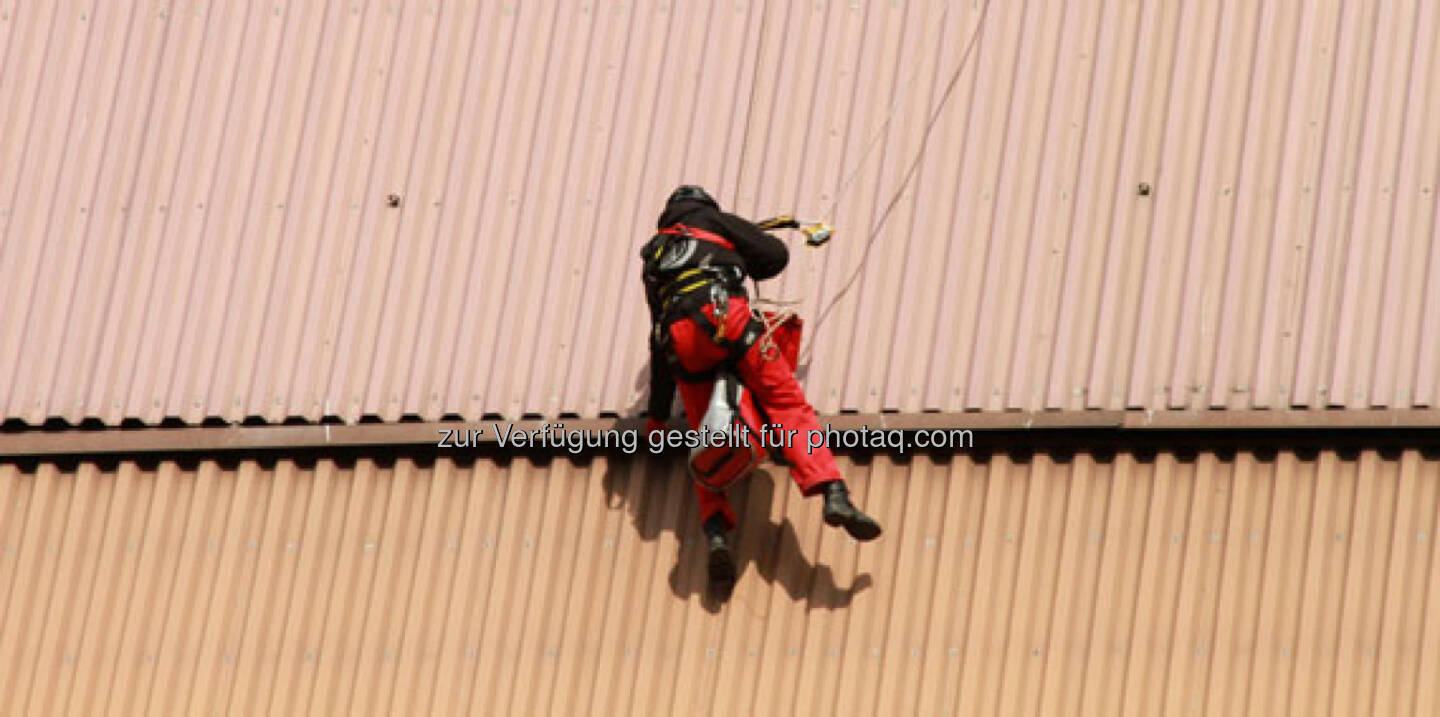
(783, 309)
(874, 141)
(884, 127)
(772, 320)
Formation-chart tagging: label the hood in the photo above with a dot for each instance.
(677, 211)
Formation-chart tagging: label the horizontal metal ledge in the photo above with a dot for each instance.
(241, 438)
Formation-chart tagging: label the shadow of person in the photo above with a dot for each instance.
(658, 496)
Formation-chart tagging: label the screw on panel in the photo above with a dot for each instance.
(393, 200)
(1144, 189)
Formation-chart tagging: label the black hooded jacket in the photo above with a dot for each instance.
(760, 255)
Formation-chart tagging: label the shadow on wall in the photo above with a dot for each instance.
(659, 497)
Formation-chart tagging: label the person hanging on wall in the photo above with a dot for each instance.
(701, 323)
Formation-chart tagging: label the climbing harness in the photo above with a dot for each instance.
(687, 277)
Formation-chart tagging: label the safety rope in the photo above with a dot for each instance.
(779, 313)
(780, 306)
(782, 310)
(945, 96)
(889, 115)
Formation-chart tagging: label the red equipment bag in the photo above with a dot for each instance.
(731, 412)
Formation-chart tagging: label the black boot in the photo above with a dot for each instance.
(721, 562)
(839, 511)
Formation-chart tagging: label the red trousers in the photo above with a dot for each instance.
(771, 383)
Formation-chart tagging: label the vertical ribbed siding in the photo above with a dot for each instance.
(1220, 584)
(194, 219)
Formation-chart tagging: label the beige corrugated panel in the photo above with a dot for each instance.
(1267, 585)
(194, 214)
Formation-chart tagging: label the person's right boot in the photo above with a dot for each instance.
(839, 511)
(721, 563)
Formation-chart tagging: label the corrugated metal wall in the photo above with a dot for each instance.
(1223, 584)
(194, 214)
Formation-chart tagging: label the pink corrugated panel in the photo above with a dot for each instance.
(1077, 206)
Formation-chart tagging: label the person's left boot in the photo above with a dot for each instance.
(839, 511)
(721, 562)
